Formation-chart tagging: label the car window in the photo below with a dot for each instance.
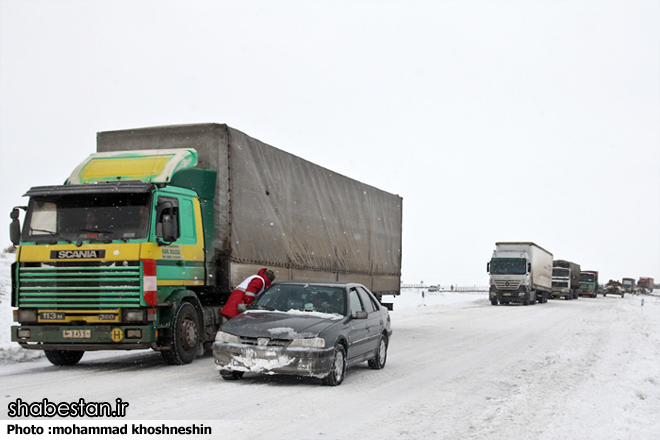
(368, 300)
(354, 301)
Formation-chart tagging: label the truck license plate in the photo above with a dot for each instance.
(76, 334)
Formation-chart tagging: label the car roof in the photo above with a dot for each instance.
(320, 284)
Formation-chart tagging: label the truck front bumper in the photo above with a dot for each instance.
(314, 362)
(87, 338)
(508, 296)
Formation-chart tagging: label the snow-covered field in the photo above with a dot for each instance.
(458, 368)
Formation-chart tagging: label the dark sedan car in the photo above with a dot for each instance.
(305, 329)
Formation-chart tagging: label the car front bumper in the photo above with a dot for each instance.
(314, 362)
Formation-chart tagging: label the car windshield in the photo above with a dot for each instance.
(103, 217)
(303, 297)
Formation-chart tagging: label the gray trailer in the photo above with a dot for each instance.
(273, 209)
(565, 279)
(520, 272)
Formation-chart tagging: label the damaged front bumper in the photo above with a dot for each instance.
(314, 362)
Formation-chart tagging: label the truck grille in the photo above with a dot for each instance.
(79, 285)
(560, 284)
(507, 284)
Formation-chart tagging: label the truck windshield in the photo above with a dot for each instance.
(508, 266)
(83, 217)
(587, 277)
(559, 272)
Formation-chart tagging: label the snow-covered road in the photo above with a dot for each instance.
(458, 368)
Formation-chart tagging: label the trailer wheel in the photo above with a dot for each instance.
(63, 358)
(185, 336)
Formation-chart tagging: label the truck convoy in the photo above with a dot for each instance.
(565, 279)
(519, 272)
(645, 285)
(144, 242)
(589, 283)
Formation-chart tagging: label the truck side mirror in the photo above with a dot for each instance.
(487, 267)
(15, 227)
(169, 233)
(529, 267)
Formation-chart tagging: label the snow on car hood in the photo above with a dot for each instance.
(281, 325)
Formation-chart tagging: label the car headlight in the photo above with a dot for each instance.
(226, 337)
(307, 343)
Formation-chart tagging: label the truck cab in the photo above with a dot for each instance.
(510, 279)
(114, 258)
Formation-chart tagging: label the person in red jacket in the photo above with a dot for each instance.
(247, 291)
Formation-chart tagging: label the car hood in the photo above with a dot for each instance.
(280, 325)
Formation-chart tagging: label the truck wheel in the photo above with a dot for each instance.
(185, 336)
(493, 301)
(378, 362)
(338, 370)
(63, 358)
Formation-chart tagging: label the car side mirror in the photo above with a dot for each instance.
(241, 307)
(360, 315)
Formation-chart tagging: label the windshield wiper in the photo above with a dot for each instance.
(262, 307)
(52, 234)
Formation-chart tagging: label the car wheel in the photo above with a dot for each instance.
(185, 336)
(338, 370)
(231, 375)
(63, 358)
(378, 362)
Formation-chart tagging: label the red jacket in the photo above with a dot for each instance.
(245, 293)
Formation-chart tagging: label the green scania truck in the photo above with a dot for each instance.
(143, 243)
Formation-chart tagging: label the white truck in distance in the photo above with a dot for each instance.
(520, 272)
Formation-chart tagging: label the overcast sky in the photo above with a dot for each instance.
(495, 121)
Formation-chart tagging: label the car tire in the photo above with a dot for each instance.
(378, 362)
(185, 336)
(63, 358)
(231, 375)
(338, 370)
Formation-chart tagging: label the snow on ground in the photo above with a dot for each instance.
(458, 368)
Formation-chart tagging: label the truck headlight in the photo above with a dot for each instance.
(307, 343)
(226, 338)
(133, 315)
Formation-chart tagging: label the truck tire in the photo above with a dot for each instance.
(63, 358)
(185, 336)
(493, 301)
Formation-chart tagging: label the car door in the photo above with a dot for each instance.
(358, 334)
(375, 322)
